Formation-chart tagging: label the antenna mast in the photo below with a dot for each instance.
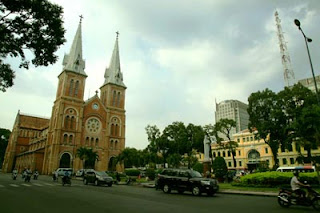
(288, 74)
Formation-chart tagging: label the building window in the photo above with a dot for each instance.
(244, 139)
(219, 155)
(267, 162)
(266, 150)
(97, 142)
(71, 122)
(224, 154)
(111, 144)
(214, 154)
(251, 138)
(76, 89)
(70, 139)
(112, 129)
(240, 163)
(118, 100)
(298, 148)
(290, 147)
(71, 87)
(114, 98)
(66, 122)
(238, 139)
(284, 161)
(116, 130)
(239, 152)
(65, 138)
(229, 154)
(291, 160)
(91, 144)
(87, 141)
(283, 148)
(229, 164)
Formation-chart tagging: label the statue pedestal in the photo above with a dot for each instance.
(206, 167)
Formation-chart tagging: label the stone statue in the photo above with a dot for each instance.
(206, 145)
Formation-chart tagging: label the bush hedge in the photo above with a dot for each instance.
(151, 174)
(132, 172)
(274, 179)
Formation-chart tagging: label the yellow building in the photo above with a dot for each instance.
(250, 152)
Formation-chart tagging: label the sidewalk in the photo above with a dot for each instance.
(223, 191)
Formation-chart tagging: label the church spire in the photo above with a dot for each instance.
(74, 61)
(113, 74)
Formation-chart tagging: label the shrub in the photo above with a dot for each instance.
(274, 179)
(132, 172)
(151, 174)
(198, 167)
(219, 167)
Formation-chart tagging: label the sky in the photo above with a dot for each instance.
(177, 57)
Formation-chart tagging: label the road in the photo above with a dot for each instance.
(45, 196)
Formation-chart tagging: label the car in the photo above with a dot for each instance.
(186, 180)
(80, 172)
(62, 171)
(97, 178)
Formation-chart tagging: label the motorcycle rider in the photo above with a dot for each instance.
(35, 174)
(14, 173)
(66, 176)
(296, 184)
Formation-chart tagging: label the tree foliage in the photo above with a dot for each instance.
(34, 25)
(4, 139)
(88, 156)
(219, 167)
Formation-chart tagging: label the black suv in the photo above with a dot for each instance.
(97, 178)
(186, 180)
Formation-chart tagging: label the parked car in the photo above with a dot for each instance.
(62, 171)
(186, 180)
(97, 178)
(80, 172)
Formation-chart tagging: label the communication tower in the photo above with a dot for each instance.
(288, 74)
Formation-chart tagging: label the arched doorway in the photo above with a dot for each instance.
(65, 161)
(253, 159)
(112, 164)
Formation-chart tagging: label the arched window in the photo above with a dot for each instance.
(66, 122)
(97, 142)
(87, 141)
(219, 155)
(118, 100)
(214, 154)
(112, 129)
(116, 145)
(72, 122)
(223, 153)
(65, 138)
(71, 87)
(116, 130)
(76, 88)
(114, 98)
(111, 144)
(70, 139)
(92, 141)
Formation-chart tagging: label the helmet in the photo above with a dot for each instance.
(296, 173)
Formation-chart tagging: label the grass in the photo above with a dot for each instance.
(242, 188)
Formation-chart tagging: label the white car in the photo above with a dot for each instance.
(62, 171)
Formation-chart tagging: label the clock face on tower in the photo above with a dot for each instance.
(93, 125)
(95, 106)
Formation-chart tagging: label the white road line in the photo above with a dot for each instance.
(24, 184)
(37, 184)
(48, 184)
(14, 185)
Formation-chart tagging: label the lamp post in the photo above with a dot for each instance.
(306, 39)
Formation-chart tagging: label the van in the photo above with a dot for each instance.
(61, 171)
(296, 168)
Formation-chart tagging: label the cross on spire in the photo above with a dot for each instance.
(81, 17)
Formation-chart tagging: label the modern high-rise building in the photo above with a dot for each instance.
(234, 110)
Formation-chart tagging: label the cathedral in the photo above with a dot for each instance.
(97, 123)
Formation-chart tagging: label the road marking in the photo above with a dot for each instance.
(37, 184)
(24, 184)
(14, 185)
(48, 184)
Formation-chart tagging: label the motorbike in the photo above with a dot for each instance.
(35, 176)
(287, 198)
(27, 177)
(54, 177)
(66, 180)
(14, 176)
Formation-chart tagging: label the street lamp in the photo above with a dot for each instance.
(306, 39)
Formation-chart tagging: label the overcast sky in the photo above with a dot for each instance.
(177, 57)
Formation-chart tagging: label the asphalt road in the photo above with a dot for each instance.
(45, 196)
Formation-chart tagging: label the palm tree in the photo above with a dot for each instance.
(88, 156)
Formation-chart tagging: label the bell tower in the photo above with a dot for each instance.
(112, 95)
(66, 118)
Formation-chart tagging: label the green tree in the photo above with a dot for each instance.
(88, 157)
(4, 139)
(224, 127)
(267, 120)
(174, 160)
(35, 25)
(219, 167)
